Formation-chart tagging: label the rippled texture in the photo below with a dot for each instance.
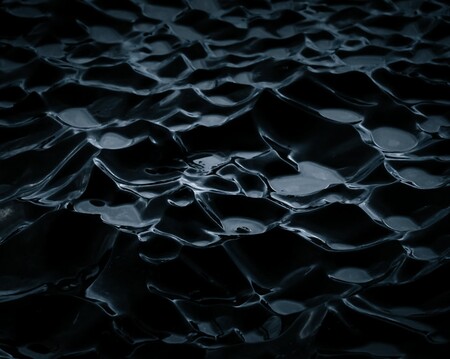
(224, 179)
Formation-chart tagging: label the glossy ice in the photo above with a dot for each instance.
(224, 179)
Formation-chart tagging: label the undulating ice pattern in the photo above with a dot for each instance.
(224, 179)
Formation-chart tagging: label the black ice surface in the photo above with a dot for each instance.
(224, 179)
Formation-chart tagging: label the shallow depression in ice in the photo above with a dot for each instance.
(312, 178)
(78, 117)
(341, 115)
(392, 139)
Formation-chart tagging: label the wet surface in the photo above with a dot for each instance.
(224, 179)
